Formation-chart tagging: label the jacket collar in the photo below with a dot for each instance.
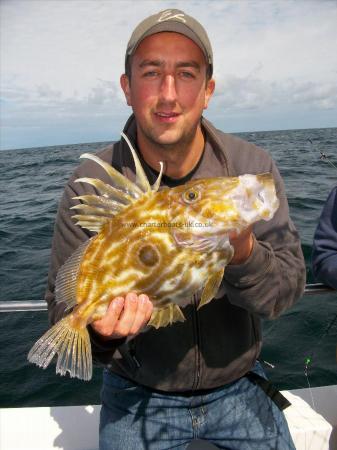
(214, 163)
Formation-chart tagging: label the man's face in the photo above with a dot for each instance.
(168, 90)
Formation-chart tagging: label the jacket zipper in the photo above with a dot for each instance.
(197, 341)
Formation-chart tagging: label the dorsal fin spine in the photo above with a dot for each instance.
(94, 211)
(156, 185)
(141, 178)
(107, 190)
(118, 178)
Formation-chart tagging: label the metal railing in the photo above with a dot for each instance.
(41, 305)
(23, 305)
(317, 288)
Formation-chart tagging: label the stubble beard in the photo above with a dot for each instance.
(183, 141)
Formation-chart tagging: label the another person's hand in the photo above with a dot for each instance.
(125, 317)
(242, 244)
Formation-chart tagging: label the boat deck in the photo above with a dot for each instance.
(76, 427)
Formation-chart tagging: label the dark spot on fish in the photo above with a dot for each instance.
(148, 255)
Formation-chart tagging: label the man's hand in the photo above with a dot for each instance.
(124, 317)
(242, 244)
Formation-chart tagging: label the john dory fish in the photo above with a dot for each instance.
(166, 243)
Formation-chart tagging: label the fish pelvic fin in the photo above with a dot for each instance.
(211, 287)
(166, 316)
(72, 347)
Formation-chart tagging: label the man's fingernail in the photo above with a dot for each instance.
(118, 302)
(143, 299)
(132, 297)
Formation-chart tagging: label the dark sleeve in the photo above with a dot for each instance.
(273, 277)
(324, 255)
(66, 239)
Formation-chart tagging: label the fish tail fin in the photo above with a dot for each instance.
(72, 346)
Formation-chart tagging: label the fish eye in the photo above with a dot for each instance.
(191, 196)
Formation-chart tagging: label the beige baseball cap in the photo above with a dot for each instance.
(176, 21)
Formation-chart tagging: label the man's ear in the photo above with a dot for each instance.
(125, 85)
(210, 86)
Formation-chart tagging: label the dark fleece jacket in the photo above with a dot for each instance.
(221, 342)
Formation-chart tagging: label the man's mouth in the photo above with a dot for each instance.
(167, 116)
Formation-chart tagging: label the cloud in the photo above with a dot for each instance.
(287, 38)
(45, 116)
(61, 60)
(253, 93)
(105, 92)
(45, 91)
(24, 105)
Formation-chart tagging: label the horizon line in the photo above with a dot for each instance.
(115, 140)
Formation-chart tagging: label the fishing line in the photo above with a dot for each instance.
(308, 360)
(323, 156)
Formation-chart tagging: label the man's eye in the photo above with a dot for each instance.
(151, 73)
(187, 75)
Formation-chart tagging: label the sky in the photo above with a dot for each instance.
(275, 66)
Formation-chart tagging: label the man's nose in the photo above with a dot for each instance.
(168, 88)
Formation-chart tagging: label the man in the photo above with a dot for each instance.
(324, 255)
(196, 379)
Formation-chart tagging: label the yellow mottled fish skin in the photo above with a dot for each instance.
(137, 250)
(167, 243)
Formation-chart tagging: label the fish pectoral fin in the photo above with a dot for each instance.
(166, 316)
(195, 242)
(66, 279)
(211, 288)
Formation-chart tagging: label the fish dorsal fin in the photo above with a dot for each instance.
(141, 179)
(118, 179)
(96, 210)
(107, 191)
(66, 279)
(156, 185)
(99, 201)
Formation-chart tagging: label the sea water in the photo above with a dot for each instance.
(31, 183)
